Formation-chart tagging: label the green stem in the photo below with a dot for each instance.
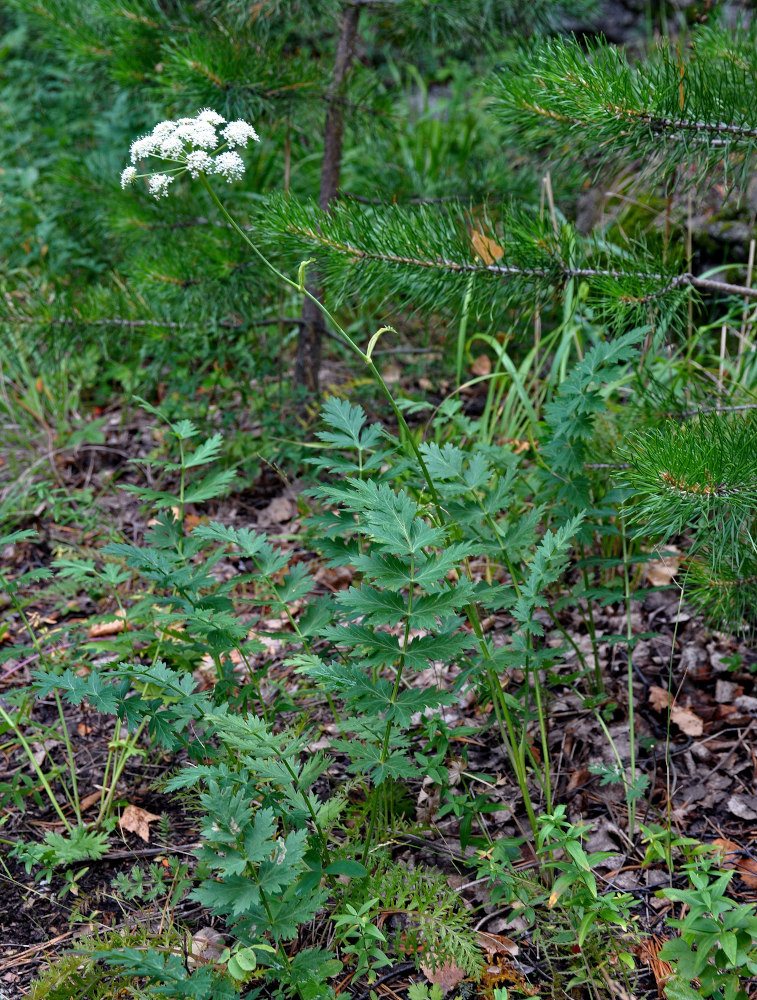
(395, 693)
(40, 774)
(71, 759)
(119, 763)
(300, 287)
(598, 680)
(547, 783)
(281, 951)
(629, 681)
(325, 854)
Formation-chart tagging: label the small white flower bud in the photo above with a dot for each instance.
(210, 116)
(127, 176)
(238, 133)
(199, 162)
(230, 166)
(171, 147)
(143, 147)
(157, 185)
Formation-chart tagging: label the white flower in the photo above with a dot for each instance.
(238, 133)
(209, 115)
(198, 161)
(193, 144)
(157, 185)
(171, 147)
(201, 134)
(229, 165)
(143, 147)
(163, 129)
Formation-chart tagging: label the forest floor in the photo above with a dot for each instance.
(706, 790)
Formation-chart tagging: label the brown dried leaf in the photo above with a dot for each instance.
(660, 572)
(89, 800)
(482, 365)
(486, 248)
(111, 627)
(731, 856)
(335, 577)
(659, 698)
(137, 821)
(447, 976)
(686, 720)
(496, 944)
(280, 509)
(207, 946)
(743, 806)
(518, 445)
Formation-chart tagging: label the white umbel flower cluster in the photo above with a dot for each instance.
(193, 144)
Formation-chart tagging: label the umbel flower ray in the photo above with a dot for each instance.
(194, 146)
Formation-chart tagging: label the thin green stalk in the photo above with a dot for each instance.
(544, 781)
(395, 693)
(629, 681)
(118, 765)
(281, 951)
(325, 853)
(591, 625)
(547, 783)
(300, 287)
(71, 759)
(40, 774)
(463, 330)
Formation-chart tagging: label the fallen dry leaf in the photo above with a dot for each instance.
(111, 627)
(496, 944)
(518, 445)
(40, 750)
(659, 698)
(137, 821)
(207, 945)
(486, 248)
(743, 806)
(89, 800)
(686, 720)
(732, 856)
(391, 374)
(446, 976)
(660, 572)
(482, 365)
(279, 510)
(335, 577)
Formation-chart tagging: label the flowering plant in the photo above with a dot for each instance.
(195, 146)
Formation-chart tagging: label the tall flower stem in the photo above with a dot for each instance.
(504, 718)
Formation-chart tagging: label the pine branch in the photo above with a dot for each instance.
(673, 111)
(429, 257)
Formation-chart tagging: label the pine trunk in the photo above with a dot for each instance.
(312, 326)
